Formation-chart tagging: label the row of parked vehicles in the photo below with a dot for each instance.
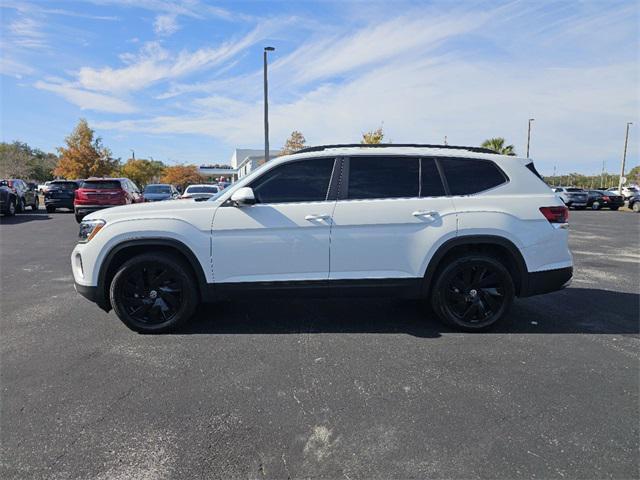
(92, 194)
(611, 198)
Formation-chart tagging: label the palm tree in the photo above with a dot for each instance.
(497, 145)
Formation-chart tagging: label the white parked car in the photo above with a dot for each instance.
(573, 197)
(200, 192)
(627, 192)
(466, 229)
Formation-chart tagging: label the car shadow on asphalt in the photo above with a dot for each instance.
(27, 216)
(574, 310)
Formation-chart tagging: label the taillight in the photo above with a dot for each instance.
(555, 214)
(605, 198)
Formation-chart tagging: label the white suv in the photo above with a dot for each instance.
(463, 228)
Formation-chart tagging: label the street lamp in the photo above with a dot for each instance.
(133, 154)
(529, 135)
(624, 158)
(266, 105)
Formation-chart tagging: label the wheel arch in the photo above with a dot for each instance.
(127, 249)
(501, 247)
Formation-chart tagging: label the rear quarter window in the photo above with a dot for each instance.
(466, 176)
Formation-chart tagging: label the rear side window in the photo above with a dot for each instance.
(101, 184)
(467, 176)
(431, 183)
(303, 181)
(383, 177)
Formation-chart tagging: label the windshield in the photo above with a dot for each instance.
(157, 189)
(202, 189)
(101, 184)
(63, 185)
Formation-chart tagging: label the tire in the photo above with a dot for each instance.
(614, 208)
(19, 205)
(473, 293)
(50, 209)
(636, 207)
(36, 205)
(595, 206)
(11, 209)
(154, 293)
(79, 217)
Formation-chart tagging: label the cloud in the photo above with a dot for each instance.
(28, 33)
(165, 24)
(86, 100)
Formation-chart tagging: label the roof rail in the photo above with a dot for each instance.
(319, 148)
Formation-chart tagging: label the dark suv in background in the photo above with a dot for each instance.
(60, 194)
(25, 196)
(98, 193)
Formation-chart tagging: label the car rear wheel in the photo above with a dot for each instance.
(36, 204)
(154, 293)
(473, 293)
(595, 206)
(636, 207)
(11, 208)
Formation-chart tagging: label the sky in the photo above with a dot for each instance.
(181, 80)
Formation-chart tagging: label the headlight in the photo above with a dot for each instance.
(88, 229)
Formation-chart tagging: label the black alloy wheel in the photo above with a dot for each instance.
(153, 293)
(473, 293)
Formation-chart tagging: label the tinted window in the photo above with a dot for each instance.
(157, 189)
(303, 181)
(466, 176)
(202, 190)
(383, 177)
(431, 181)
(63, 185)
(101, 184)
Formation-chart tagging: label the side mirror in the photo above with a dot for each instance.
(243, 196)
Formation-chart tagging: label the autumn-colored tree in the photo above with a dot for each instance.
(142, 171)
(181, 175)
(497, 144)
(84, 156)
(373, 136)
(294, 143)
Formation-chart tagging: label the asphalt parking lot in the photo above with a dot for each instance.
(320, 388)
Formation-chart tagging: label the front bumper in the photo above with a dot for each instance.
(546, 281)
(93, 294)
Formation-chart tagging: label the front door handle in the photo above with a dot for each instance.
(424, 213)
(314, 217)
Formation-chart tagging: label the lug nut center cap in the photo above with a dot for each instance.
(153, 294)
(473, 293)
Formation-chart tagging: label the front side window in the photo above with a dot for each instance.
(301, 181)
(383, 177)
(467, 176)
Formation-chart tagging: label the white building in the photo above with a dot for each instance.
(243, 161)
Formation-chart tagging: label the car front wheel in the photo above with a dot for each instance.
(154, 293)
(473, 293)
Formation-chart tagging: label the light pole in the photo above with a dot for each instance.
(529, 135)
(133, 154)
(266, 105)
(624, 158)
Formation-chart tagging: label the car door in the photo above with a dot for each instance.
(284, 236)
(391, 215)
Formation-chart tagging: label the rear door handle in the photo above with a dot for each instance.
(424, 213)
(314, 217)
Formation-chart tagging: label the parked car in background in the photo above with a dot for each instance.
(160, 191)
(598, 199)
(43, 187)
(573, 197)
(199, 192)
(60, 194)
(462, 228)
(7, 201)
(98, 193)
(25, 196)
(223, 185)
(627, 192)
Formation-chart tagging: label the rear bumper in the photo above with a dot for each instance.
(59, 202)
(546, 281)
(87, 209)
(93, 294)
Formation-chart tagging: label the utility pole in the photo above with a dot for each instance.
(624, 158)
(602, 176)
(529, 135)
(445, 140)
(133, 154)
(554, 175)
(266, 105)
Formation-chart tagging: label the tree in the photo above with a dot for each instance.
(142, 171)
(85, 156)
(181, 175)
(634, 175)
(14, 160)
(497, 144)
(373, 136)
(294, 143)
